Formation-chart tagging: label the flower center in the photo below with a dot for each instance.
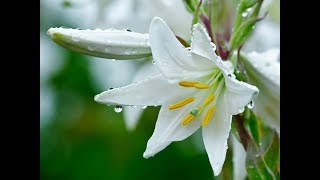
(212, 90)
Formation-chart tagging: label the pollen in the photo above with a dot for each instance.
(187, 119)
(181, 103)
(201, 86)
(208, 116)
(188, 83)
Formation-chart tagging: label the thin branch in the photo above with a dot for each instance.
(244, 135)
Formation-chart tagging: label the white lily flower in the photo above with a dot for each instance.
(263, 70)
(195, 87)
(109, 43)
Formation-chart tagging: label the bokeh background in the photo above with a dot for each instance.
(81, 139)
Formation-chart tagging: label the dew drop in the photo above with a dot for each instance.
(153, 62)
(229, 75)
(250, 105)
(75, 38)
(144, 107)
(117, 109)
(91, 48)
(257, 155)
(134, 106)
(251, 166)
(260, 144)
(245, 14)
(129, 30)
(110, 88)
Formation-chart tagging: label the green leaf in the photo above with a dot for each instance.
(245, 20)
(234, 129)
(196, 14)
(67, 4)
(253, 123)
(242, 33)
(191, 5)
(272, 155)
(255, 164)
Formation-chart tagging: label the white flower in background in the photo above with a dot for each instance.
(263, 70)
(137, 14)
(239, 160)
(195, 87)
(265, 36)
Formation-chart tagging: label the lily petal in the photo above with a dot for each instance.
(109, 43)
(169, 128)
(201, 43)
(238, 94)
(172, 59)
(149, 92)
(239, 160)
(132, 115)
(215, 136)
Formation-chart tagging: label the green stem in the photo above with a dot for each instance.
(244, 135)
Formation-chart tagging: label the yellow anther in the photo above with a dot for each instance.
(201, 86)
(181, 103)
(208, 100)
(187, 83)
(208, 116)
(187, 119)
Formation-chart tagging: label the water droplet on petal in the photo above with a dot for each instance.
(117, 109)
(129, 30)
(144, 107)
(134, 106)
(250, 105)
(75, 38)
(153, 62)
(91, 48)
(110, 88)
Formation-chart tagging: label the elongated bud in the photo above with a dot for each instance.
(109, 43)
